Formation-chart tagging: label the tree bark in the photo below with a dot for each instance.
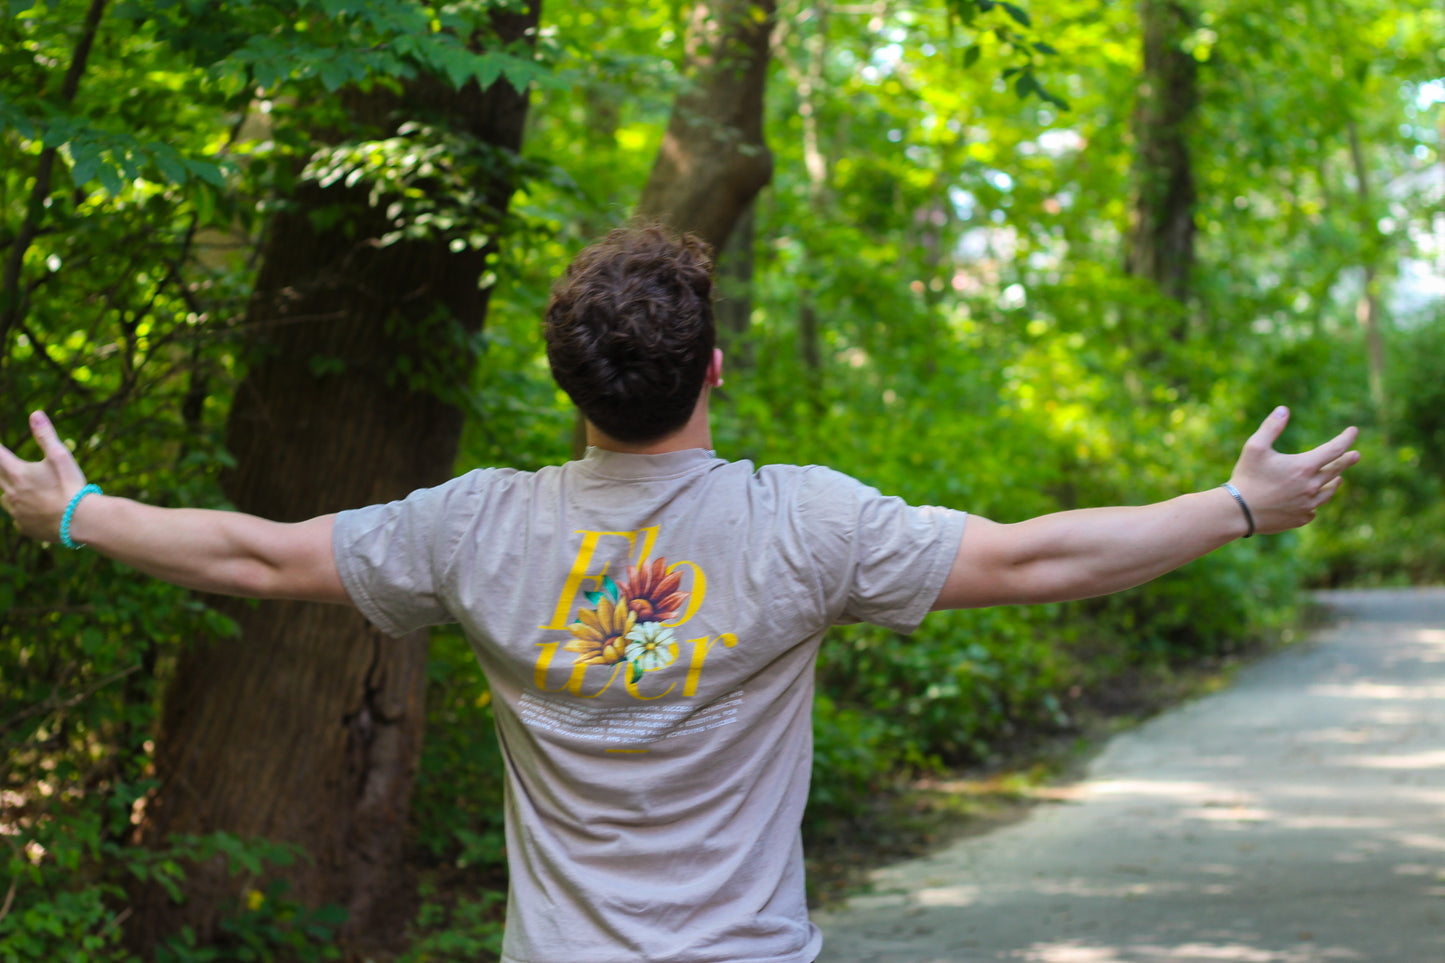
(307, 728)
(1367, 309)
(736, 264)
(1160, 242)
(713, 160)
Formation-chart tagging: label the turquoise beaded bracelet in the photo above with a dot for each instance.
(65, 538)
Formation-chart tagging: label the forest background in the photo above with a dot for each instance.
(289, 256)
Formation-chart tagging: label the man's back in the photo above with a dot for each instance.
(649, 626)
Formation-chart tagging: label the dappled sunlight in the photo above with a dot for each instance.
(1352, 736)
(948, 896)
(1094, 889)
(1432, 842)
(1225, 813)
(1433, 759)
(1072, 954)
(1333, 821)
(1378, 690)
(1183, 953)
(1149, 788)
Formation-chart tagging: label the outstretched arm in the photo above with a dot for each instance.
(225, 552)
(1095, 551)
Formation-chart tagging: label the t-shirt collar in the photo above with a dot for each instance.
(626, 466)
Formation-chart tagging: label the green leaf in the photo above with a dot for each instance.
(964, 10)
(85, 161)
(492, 66)
(1057, 101)
(330, 914)
(110, 178)
(1046, 49)
(333, 74)
(971, 55)
(205, 206)
(208, 171)
(1018, 14)
(458, 64)
(170, 166)
(92, 640)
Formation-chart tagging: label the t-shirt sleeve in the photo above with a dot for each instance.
(392, 557)
(898, 555)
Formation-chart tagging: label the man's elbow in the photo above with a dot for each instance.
(296, 564)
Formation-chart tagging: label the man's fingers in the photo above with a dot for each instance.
(10, 464)
(1337, 449)
(1327, 490)
(1338, 465)
(1271, 428)
(62, 461)
(45, 436)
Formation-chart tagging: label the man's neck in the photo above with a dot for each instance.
(696, 433)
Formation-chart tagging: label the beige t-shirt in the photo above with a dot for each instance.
(649, 626)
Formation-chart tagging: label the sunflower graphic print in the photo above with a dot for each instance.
(626, 622)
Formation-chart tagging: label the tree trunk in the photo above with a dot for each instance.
(1160, 243)
(307, 728)
(713, 160)
(809, 78)
(735, 268)
(1367, 310)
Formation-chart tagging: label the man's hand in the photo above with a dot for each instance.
(1284, 491)
(213, 551)
(1093, 551)
(35, 493)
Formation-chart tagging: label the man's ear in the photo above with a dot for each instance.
(714, 369)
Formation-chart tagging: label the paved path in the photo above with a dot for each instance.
(1298, 817)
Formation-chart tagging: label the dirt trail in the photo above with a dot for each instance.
(1298, 817)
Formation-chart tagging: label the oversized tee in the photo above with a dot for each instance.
(649, 626)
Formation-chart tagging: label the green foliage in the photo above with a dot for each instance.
(68, 895)
(459, 928)
(1421, 393)
(1391, 516)
(459, 788)
(228, 57)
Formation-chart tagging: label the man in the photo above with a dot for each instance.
(649, 615)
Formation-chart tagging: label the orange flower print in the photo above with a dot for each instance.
(652, 593)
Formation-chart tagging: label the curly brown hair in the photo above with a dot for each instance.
(630, 331)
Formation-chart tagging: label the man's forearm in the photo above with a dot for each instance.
(229, 553)
(1095, 551)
